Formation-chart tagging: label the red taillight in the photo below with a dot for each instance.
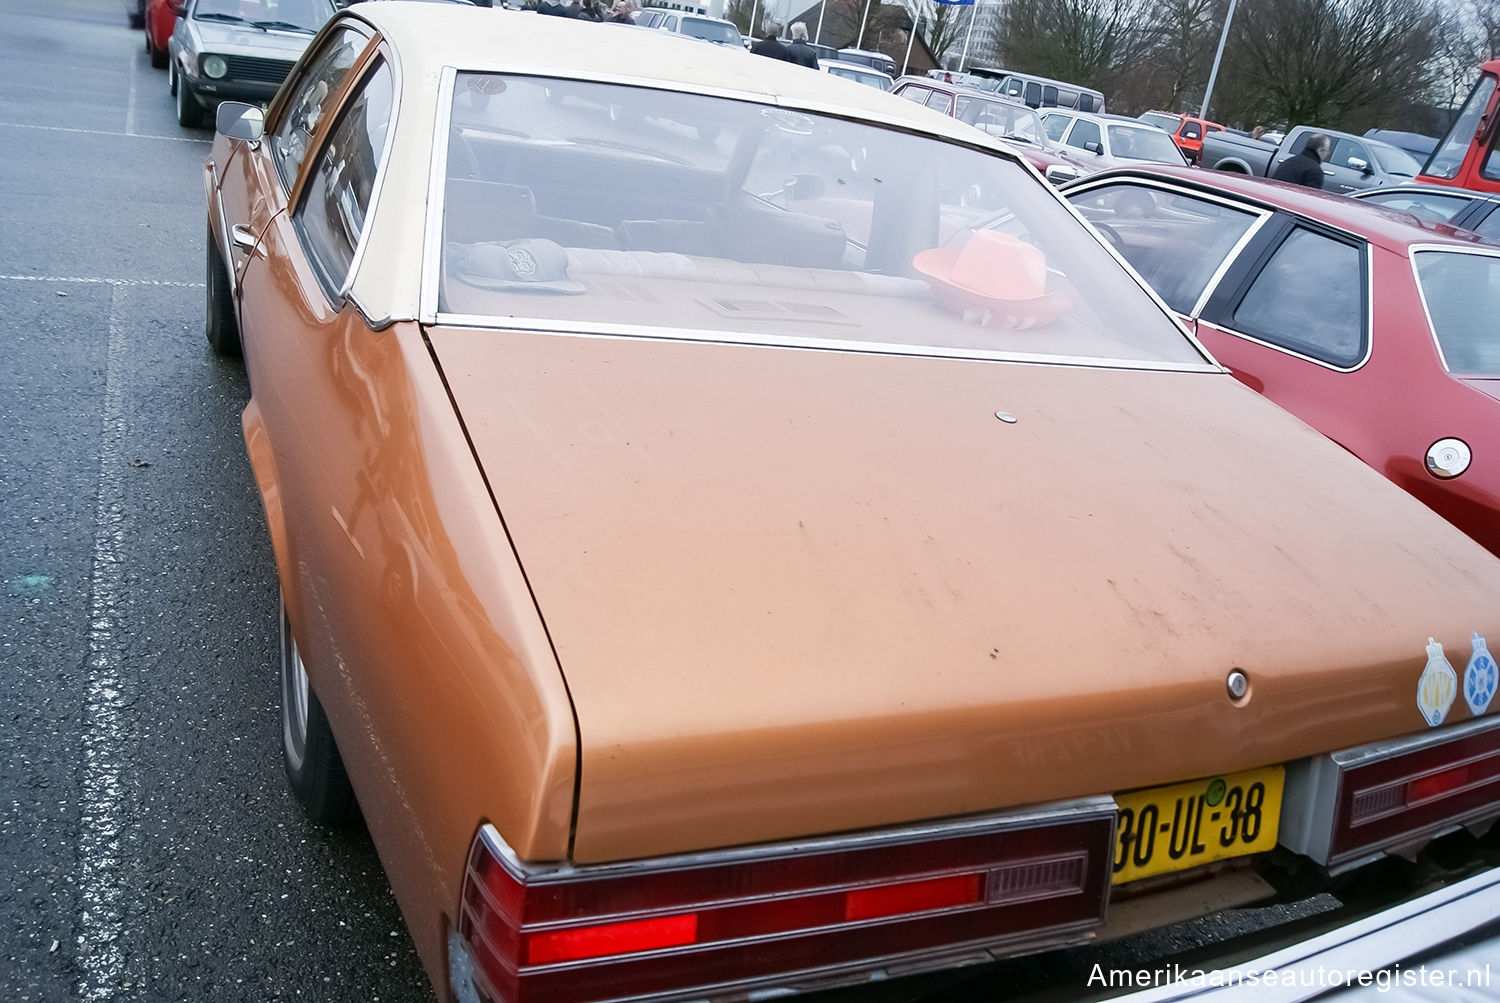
(1437, 784)
(790, 914)
(914, 896)
(1343, 807)
(611, 938)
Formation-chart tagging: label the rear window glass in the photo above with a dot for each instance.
(1133, 142)
(1462, 294)
(586, 204)
(1435, 207)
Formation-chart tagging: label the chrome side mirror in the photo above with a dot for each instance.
(237, 120)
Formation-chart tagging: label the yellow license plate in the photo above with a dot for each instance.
(1173, 828)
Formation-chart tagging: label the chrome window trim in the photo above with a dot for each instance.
(1411, 256)
(636, 332)
(1369, 315)
(1077, 810)
(385, 52)
(1262, 214)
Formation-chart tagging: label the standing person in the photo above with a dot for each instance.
(799, 51)
(770, 45)
(1306, 168)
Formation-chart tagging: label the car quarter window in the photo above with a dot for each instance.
(336, 199)
(755, 222)
(1174, 240)
(1489, 227)
(1462, 294)
(1056, 125)
(1309, 298)
(311, 91)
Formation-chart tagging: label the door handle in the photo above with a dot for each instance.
(242, 237)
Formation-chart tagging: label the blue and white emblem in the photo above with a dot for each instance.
(1480, 678)
(1438, 687)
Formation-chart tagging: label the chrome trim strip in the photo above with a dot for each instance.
(632, 332)
(1371, 944)
(1080, 810)
(386, 53)
(1411, 257)
(225, 248)
(432, 241)
(1376, 751)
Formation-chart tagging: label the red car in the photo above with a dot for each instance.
(1186, 131)
(161, 19)
(1374, 327)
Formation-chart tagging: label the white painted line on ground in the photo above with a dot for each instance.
(130, 104)
(105, 132)
(101, 954)
(64, 279)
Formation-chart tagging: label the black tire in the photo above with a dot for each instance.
(314, 768)
(220, 325)
(158, 56)
(189, 111)
(171, 77)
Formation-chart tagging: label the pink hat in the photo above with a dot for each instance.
(994, 272)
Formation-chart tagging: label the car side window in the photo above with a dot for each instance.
(1055, 126)
(938, 101)
(1350, 154)
(334, 204)
(915, 94)
(1489, 227)
(1049, 97)
(1086, 102)
(1085, 133)
(1309, 299)
(1174, 240)
(305, 109)
(1034, 94)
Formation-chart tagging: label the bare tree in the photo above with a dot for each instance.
(1336, 63)
(1089, 42)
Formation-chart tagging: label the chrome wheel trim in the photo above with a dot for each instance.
(294, 693)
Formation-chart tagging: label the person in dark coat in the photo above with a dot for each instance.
(799, 51)
(770, 45)
(1306, 168)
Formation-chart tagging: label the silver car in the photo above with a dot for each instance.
(237, 50)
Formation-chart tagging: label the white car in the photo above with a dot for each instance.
(857, 72)
(1116, 140)
(709, 29)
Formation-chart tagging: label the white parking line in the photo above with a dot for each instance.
(104, 132)
(75, 279)
(101, 953)
(130, 103)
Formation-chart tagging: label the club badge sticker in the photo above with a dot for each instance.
(1438, 686)
(1480, 678)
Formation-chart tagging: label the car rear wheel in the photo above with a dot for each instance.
(189, 111)
(314, 768)
(220, 326)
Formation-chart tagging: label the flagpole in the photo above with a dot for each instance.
(754, 28)
(968, 35)
(859, 43)
(912, 38)
(822, 8)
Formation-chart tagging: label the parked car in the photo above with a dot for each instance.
(1375, 329)
(1110, 140)
(701, 26)
(1458, 207)
(237, 50)
(1418, 145)
(1044, 92)
(160, 21)
(1354, 162)
(806, 556)
(866, 57)
(1009, 121)
(857, 72)
(1186, 131)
